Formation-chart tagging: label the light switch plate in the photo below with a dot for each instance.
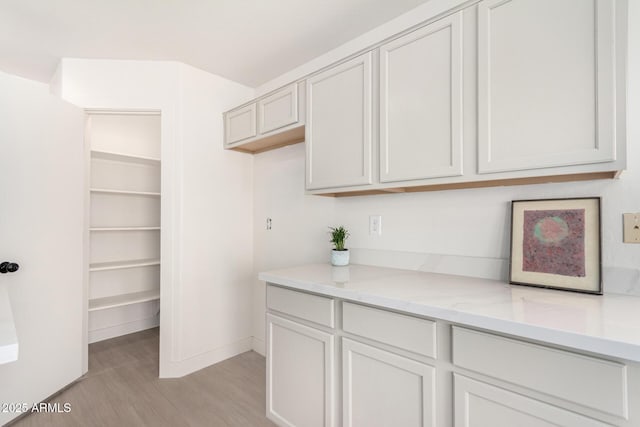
(631, 228)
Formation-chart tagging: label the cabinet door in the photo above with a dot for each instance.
(279, 109)
(583, 380)
(338, 129)
(384, 389)
(480, 404)
(421, 103)
(546, 76)
(300, 369)
(240, 124)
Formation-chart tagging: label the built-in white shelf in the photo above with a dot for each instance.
(124, 228)
(124, 222)
(125, 192)
(121, 157)
(123, 299)
(119, 265)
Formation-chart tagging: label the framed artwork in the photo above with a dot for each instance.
(555, 244)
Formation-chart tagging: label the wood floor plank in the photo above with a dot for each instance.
(122, 388)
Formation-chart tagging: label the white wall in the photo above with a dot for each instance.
(41, 228)
(202, 186)
(298, 232)
(216, 236)
(468, 224)
(428, 11)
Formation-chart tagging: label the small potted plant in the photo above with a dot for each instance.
(339, 255)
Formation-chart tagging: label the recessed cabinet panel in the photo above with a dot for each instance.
(299, 374)
(399, 330)
(587, 381)
(278, 110)
(421, 103)
(301, 304)
(480, 404)
(240, 124)
(546, 76)
(384, 389)
(338, 129)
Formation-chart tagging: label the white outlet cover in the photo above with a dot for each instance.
(375, 225)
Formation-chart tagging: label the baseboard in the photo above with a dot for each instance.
(258, 346)
(123, 329)
(203, 360)
(47, 399)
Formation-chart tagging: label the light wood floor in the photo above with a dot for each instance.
(122, 388)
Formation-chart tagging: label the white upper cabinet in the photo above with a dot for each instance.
(278, 110)
(339, 125)
(546, 83)
(421, 103)
(272, 121)
(501, 92)
(240, 124)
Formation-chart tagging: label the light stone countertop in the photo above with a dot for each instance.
(604, 324)
(8, 338)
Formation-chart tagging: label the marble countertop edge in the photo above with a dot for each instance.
(603, 342)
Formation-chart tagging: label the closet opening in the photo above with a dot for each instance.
(124, 223)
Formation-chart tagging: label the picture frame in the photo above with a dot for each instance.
(556, 244)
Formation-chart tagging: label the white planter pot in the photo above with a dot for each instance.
(339, 258)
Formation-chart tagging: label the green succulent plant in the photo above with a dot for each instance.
(338, 237)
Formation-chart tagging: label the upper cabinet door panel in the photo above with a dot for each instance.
(278, 110)
(421, 103)
(338, 128)
(546, 83)
(240, 124)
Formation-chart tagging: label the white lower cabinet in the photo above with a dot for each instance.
(483, 405)
(300, 372)
(380, 388)
(583, 380)
(332, 362)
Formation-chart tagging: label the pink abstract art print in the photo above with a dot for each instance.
(554, 242)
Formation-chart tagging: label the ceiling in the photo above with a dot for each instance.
(249, 41)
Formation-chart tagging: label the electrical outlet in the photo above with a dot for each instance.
(375, 225)
(631, 228)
